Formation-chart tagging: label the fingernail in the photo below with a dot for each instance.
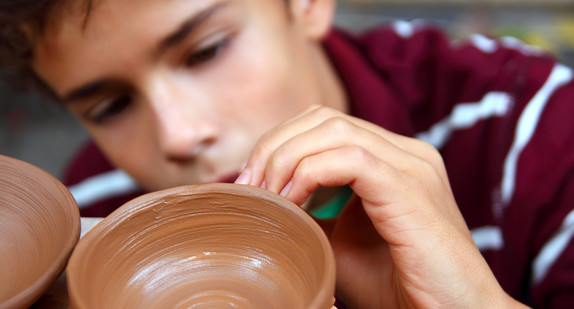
(244, 178)
(263, 185)
(243, 166)
(286, 189)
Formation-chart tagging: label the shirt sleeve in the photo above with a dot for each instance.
(547, 188)
(97, 186)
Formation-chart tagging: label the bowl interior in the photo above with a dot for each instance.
(208, 246)
(39, 226)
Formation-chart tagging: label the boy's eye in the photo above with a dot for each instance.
(206, 54)
(107, 109)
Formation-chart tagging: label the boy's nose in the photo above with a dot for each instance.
(184, 129)
(184, 123)
(182, 138)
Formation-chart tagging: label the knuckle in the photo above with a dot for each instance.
(427, 169)
(276, 161)
(339, 126)
(263, 145)
(303, 170)
(359, 155)
(264, 139)
(315, 107)
(323, 111)
(432, 155)
(338, 123)
(432, 165)
(257, 151)
(306, 163)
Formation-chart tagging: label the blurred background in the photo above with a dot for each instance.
(45, 135)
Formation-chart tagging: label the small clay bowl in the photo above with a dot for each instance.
(206, 246)
(39, 226)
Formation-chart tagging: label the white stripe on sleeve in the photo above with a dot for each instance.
(465, 115)
(517, 44)
(486, 45)
(553, 249)
(527, 123)
(103, 186)
(403, 28)
(488, 238)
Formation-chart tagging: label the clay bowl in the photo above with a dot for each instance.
(39, 226)
(206, 246)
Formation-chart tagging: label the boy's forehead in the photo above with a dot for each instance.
(93, 13)
(95, 18)
(77, 21)
(80, 47)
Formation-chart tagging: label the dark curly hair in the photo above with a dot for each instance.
(20, 21)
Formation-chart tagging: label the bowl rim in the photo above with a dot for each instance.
(141, 203)
(35, 290)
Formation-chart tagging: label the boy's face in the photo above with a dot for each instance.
(177, 92)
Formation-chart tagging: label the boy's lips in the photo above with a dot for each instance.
(228, 178)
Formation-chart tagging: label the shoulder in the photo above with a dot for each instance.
(88, 161)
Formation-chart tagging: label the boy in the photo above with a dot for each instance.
(184, 91)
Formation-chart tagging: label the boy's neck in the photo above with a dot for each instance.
(333, 91)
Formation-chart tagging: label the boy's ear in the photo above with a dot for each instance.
(315, 16)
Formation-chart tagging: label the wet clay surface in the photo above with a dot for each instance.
(39, 226)
(208, 246)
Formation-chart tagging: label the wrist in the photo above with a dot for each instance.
(500, 299)
(508, 302)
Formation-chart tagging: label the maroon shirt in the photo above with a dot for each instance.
(500, 112)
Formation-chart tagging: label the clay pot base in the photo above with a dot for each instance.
(39, 226)
(208, 246)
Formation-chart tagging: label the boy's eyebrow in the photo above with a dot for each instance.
(175, 37)
(189, 26)
(86, 91)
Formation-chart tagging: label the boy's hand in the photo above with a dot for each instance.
(401, 241)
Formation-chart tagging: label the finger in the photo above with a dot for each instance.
(257, 164)
(333, 133)
(309, 118)
(268, 143)
(392, 199)
(348, 165)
